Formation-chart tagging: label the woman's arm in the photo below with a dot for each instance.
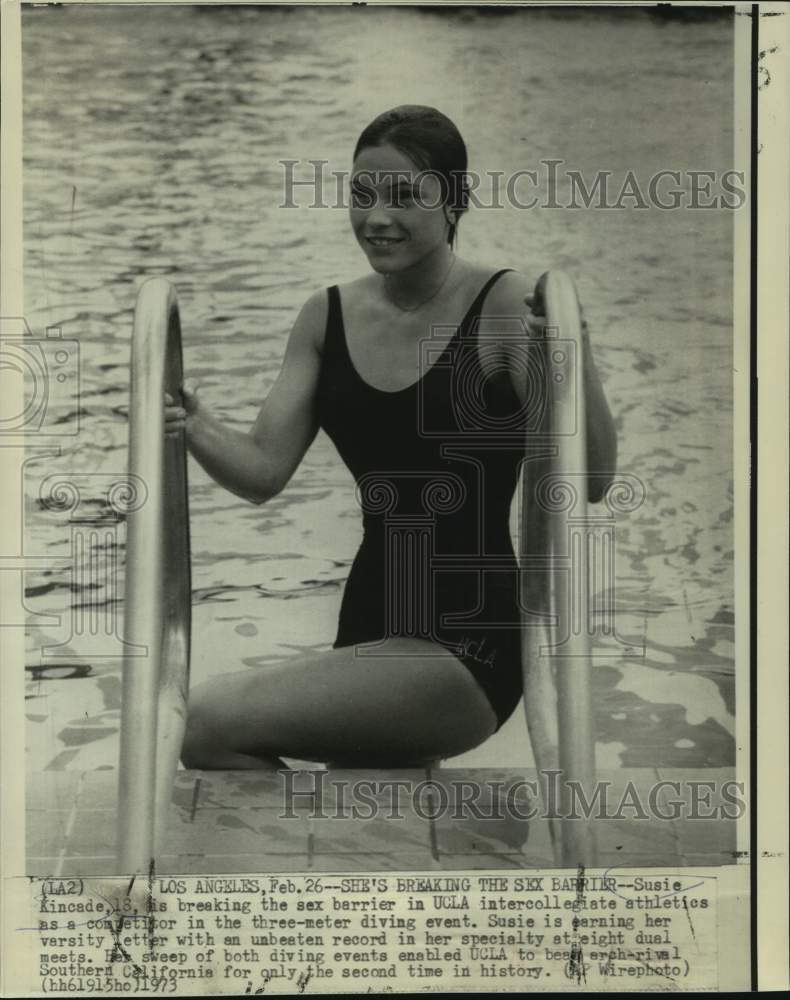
(257, 465)
(513, 295)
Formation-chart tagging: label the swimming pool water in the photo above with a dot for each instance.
(152, 145)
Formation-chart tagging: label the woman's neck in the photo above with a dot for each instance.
(411, 287)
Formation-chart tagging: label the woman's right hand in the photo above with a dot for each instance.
(177, 415)
(256, 464)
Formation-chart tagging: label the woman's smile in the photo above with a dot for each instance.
(384, 242)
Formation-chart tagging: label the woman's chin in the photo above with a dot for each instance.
(386, 261)
(382, 266)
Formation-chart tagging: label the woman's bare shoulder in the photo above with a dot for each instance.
(310, 324)
(509, 292)
(359, 287)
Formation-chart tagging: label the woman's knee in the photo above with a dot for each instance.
(214, 739)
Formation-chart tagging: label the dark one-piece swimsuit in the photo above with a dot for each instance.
(435, 477)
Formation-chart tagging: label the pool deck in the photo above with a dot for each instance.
(233, 821)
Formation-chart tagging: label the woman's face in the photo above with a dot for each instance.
(396, 210)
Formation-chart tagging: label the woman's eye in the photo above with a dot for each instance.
(403, 196)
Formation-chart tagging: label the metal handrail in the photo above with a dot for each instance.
(157, 603)
(557, 676)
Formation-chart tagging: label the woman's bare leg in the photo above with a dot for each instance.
(408, 700)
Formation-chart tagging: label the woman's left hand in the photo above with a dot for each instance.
(535, 318)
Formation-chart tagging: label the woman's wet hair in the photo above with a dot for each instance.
(432, 143)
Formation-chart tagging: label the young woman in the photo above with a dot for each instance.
(426, 663)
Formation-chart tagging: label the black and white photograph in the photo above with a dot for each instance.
(386, 463)
(380, 409)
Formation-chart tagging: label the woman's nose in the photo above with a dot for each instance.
(379, 215)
